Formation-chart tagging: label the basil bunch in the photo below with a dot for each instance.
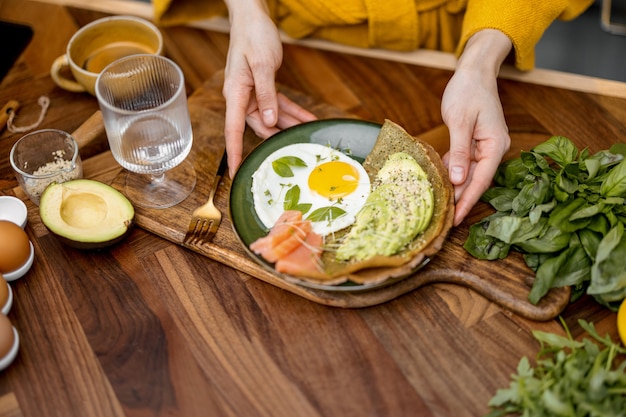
(564, 209)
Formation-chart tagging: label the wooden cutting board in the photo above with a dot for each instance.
(506, 282)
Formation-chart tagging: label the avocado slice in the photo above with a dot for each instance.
(398, 209)
(86, 214)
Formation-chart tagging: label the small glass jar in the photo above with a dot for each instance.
(43, 157)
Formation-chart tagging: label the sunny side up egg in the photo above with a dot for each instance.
(326, 185)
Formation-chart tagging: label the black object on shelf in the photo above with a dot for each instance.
(15, 37)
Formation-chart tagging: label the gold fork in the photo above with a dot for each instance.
(206, 219)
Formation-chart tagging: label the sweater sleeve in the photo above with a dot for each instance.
(523, 21)
(178, 12)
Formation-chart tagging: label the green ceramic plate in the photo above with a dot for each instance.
(353, 137)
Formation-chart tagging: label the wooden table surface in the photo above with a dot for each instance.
(149, 328)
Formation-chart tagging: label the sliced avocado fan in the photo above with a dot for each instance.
(399, 207)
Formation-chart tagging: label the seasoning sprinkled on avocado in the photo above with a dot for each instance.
(399, 207)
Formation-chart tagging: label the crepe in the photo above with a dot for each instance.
(391, 139)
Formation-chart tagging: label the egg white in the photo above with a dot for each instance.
(269, 188)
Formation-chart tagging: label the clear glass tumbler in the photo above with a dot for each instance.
(144, 108)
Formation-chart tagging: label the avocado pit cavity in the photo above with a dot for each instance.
(83, 210)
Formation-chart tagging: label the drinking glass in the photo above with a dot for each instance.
(144, 108)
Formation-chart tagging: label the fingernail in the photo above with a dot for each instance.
(268, 117)
(456, 174)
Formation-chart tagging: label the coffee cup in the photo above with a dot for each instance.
(98, 44)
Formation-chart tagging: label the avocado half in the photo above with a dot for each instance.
(86, 214)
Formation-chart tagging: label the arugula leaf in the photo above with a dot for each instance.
(282, 166)
(570, 378)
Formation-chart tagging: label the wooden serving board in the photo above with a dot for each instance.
(506, 282)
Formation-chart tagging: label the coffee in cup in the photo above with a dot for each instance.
(98, 44)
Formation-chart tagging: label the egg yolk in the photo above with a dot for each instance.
(334, 179)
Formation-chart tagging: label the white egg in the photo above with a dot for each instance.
(328, 186)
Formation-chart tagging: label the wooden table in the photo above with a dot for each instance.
(151, 328)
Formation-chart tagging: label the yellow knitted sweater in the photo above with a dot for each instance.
(402, 25)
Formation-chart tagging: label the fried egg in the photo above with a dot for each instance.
(326, 185)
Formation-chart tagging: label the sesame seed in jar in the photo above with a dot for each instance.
(63, 168)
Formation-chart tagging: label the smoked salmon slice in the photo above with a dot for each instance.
(305, 259)
(287, 234)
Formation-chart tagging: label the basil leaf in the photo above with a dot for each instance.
(561, 196)
(608, 273)
(512, 229)
(618, 149)
(511, 173)
(544, 276)
(559, 217)
(534, 260)
(282, 166)
(532, 193)
(550, 240)
(600, 161)
(568, 267)
(537, 212)
(586, 211)
(482, 246)
(575, 269)
(558, 148)
(329, 213)
(535, 163)
(303, 208)
(500, 198)
(599, 224)
(567, 182)
(292, 196)
(590, 241)
(615, 183)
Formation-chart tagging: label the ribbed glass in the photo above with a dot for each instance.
(144, 107)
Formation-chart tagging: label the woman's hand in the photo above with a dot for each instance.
(472, 110)
(254, 56)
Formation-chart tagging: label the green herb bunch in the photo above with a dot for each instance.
(571, 378)
(564, 209)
